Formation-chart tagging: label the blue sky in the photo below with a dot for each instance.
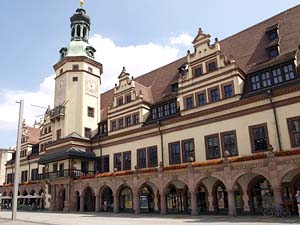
(33, 31)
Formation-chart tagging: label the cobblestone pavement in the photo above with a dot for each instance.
(51, 218)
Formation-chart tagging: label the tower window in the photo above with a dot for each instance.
(90, 69)
(61, 71)
(75, 67)
(91, 112)
(58, 134)
(78, 31)
(75, 79)
(87, 132)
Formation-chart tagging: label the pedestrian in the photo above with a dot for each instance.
(298, 201)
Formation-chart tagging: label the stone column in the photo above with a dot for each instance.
(163, 206)
(53, 198)
(210, 202)
(136, 202)
(97, 207)
(67, 203)
(194, 204)
(155, 200)
(116, 203)
(246, 202)
(231, 203)
(81, 203)
(277, 196)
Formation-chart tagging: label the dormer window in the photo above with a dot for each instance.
(174, 87)
(273, 35)
(272, 76)
(272, 32)
(273, 52)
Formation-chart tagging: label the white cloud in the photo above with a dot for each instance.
(9, 109)
(182, 39)
(138, 59)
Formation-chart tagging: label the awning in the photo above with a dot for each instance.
(71, 153)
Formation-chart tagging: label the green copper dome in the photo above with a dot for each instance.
(80, 28)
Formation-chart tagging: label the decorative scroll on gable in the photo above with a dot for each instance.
(128, 90)
(206, 57)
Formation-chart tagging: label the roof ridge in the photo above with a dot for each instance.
(257, 24)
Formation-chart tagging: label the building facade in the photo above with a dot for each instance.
(216, 131)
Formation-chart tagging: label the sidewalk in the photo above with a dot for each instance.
(56, 218)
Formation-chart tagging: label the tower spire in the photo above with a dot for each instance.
(81, 2)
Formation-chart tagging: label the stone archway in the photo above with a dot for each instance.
(177, 197)
(290, 183)
(76, 205)
(220, 197)
(125, 199)
(260, 194)
(106, 199)
(202, 198)
(148, 201)
(61, 199)
(88, 199)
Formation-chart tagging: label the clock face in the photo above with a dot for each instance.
(91, 86)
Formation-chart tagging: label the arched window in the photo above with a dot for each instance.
(84, 32)
(78, 30)
(73, 32)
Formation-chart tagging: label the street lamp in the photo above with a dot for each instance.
(17, 162)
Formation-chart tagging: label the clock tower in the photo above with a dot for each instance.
(77, 83)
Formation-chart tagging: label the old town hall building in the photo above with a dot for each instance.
(216, 131)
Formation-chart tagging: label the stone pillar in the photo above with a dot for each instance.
(116, 203)
(210, 202)
(246, 202)
(155, 200)
(136, 202)
(53, 198)
(97, 207)
(277, 197)
(81, 203)
(163, 206)
(231, 203)
(194, 204)
(67, 202)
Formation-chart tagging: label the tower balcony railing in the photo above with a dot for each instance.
(68, 173)
(57, 113)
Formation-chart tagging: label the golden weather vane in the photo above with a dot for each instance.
(81, 2)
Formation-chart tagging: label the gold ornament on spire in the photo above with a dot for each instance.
(81, 2)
